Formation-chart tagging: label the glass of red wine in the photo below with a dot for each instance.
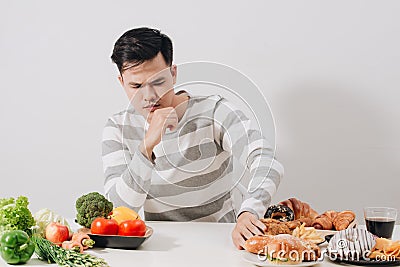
(380, 221)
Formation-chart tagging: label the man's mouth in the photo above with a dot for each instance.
(152, 107)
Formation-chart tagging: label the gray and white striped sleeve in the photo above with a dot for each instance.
(127, 177)
(235, 133)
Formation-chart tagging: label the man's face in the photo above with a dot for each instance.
(149, 86)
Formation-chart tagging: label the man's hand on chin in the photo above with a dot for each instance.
(246, 226)
(162, 119)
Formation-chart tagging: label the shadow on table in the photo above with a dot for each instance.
(159, 242)
(36, 261)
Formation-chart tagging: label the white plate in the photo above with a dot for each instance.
(253, 258)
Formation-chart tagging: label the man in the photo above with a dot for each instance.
(173, 154)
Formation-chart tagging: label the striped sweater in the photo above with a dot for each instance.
(213, 153)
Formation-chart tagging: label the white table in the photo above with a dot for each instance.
(186, 244)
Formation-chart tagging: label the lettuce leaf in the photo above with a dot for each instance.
(15, 214)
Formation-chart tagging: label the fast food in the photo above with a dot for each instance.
(332, 220)
(352, 244)
(299, 212)
(280, 212)
(283, 247)
(343, 219)
(324, 221)
(385, 249)
(292, 209)
(300, 209)
(275, 227)
(308, 233)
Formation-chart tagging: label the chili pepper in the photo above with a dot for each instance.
(16, 247)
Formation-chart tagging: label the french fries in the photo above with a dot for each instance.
(308, 233)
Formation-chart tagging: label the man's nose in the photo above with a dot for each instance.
(149, 94)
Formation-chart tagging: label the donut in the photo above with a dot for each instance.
(280, 212)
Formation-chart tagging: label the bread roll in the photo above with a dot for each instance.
(300, 209)
(324, 221)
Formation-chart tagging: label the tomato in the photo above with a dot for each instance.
(104, 226)
(132, 228)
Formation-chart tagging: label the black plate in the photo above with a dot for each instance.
(121, 242)
(369, 262)
(328, 238)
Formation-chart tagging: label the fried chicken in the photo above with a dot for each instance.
(275, 227)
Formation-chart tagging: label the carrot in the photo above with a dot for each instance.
(83, 239)
(72, 245)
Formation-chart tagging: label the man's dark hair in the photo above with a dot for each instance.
(139, 45)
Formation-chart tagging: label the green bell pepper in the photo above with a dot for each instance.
(16, 247)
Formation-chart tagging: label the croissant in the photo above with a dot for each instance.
(325, 220)
(343, 219)
(300, 209)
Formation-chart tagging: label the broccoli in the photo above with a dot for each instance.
(91, 206)
(15, 215)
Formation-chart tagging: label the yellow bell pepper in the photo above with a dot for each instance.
(122, 213)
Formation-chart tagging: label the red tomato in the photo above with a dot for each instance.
(132, 228)
(104, 226)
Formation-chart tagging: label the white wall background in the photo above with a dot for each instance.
(330, 70)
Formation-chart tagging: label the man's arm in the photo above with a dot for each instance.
(127, 178)
(235, 134)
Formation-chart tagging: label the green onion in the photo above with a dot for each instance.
(47, 251)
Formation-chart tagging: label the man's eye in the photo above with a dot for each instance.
(159, 83)
(135, 86)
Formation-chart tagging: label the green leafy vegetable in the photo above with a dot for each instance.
(49, 252)
(15, 215)
(90, 207)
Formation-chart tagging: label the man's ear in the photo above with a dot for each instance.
(121, 80)
(174, 72)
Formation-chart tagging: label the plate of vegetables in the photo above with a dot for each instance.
(122, 233)
(121, 241)
(109, 227)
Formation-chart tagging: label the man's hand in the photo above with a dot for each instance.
(163, 118)
(247, 226)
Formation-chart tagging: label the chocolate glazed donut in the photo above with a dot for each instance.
(280, 212)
